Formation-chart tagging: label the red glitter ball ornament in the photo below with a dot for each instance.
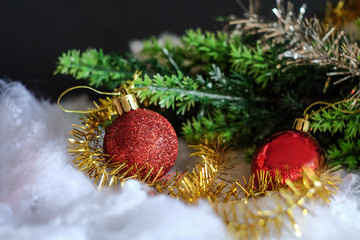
(287, 152)
(144, 138)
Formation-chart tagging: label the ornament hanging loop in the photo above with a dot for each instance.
(84, 87)
(328, 105)
(123, 104)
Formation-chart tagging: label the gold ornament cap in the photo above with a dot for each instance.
(125, 103)
(128, 101)
(302, 124)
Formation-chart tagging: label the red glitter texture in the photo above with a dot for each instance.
(144, 138)
(288, 152)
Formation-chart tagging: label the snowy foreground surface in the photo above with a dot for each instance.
(43, 197)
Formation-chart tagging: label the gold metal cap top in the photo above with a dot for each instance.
(302, 124)
(126, 103)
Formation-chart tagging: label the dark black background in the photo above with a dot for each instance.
(33, 33)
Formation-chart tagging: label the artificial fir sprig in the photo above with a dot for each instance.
(234, 83)
(335, 121)
(345, 153)
(166, 91)
(346, 150)
(94, 65)
(234, 93)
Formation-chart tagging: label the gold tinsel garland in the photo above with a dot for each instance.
(235, 202)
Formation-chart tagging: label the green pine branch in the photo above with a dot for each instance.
(346, 149)
(214, 124)
(95, 66)
(177, 90)
(335, 121)
(345, 153)
(186, 77)
(225, 84)
(208, 46)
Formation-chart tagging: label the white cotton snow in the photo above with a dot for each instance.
(36, 179)
(43, 197)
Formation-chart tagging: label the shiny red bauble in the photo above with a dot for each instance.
(143, 138)
(288, 152)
